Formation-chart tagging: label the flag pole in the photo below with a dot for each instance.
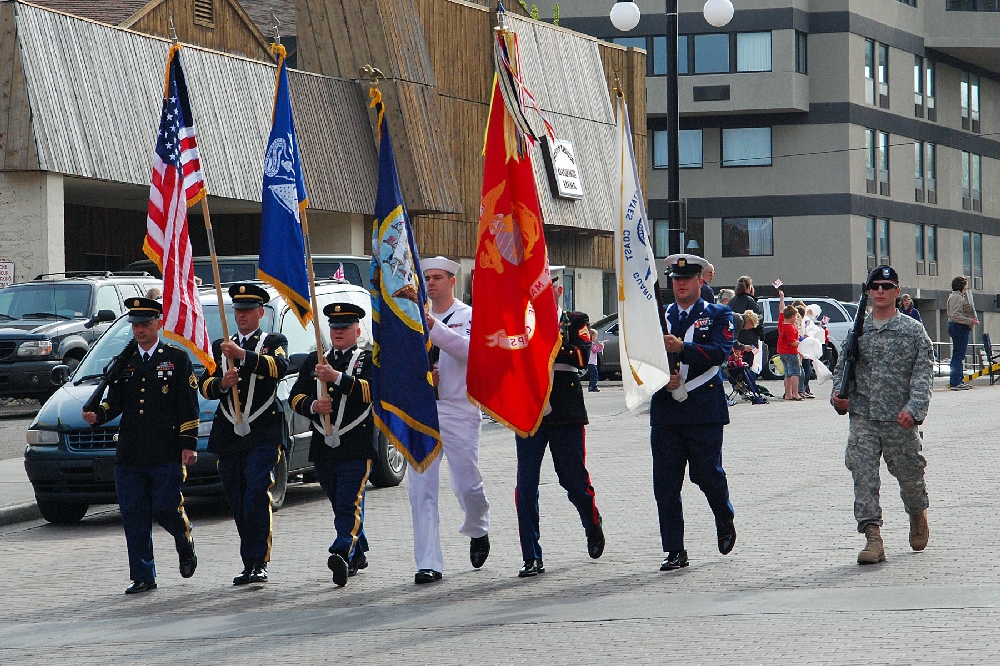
(215, 272)
(320, 356)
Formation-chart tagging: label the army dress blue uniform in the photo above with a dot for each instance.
(343, 469)
(563, 431)
(688, 433)
(246, 463)
(158, 403)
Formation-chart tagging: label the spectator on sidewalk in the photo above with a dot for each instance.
(596, 347)
(725, 296)
(961, 321)
(788, 343)
(707, 293)
(906, 307)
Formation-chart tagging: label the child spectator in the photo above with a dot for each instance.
(596, 347)
(788, 343)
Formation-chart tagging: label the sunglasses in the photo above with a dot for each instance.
(882, 286)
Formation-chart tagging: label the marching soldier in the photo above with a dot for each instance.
(894, 377)
(688, 433)
(248, 451)
(563, 431)
(343, 461)
(157, 397)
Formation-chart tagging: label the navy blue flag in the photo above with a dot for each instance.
(282, 250)
(402, 392)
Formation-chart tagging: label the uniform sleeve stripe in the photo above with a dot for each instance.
(297, 400)
(272, 366)
(190, 425)
(366, 392)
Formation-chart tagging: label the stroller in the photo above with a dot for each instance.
(744, 384)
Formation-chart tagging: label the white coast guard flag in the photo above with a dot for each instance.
(645, 369)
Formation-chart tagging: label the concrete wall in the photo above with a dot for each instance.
(31, 226)
(338, 233)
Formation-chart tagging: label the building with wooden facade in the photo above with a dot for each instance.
(79, 109)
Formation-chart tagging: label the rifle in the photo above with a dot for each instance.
(112, 372)
(851, 350)
(680, 393)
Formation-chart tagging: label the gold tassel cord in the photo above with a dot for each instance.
(376, 96)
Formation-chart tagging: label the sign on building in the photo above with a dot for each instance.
(6, 273)
(564, 174)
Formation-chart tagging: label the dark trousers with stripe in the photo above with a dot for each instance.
(699, 448)
(569, 456)
(344, 482)
(147, 493)
(247, 479)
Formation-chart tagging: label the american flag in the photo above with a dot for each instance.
(177, 183)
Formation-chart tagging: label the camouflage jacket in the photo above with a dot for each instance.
(895, 370)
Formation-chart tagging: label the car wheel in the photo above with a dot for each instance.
(389, 467)
(280, 486)
(831, 358)
(767, 369)
(62, 513)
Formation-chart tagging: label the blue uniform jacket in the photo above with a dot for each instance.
(710, 346)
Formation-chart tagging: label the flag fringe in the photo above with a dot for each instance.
(401, 448)
(206, 359)
(290, 296)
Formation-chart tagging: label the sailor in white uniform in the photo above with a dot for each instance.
(449, 321)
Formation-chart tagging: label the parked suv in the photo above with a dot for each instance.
(839, 327)
(241, 268)
(71, 465)
(53, 320)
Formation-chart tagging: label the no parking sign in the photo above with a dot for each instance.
(6, 273)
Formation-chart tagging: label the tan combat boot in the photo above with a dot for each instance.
(919, 531)
(874, 550)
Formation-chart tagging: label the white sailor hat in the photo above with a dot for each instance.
(685, 265)
(440, 263)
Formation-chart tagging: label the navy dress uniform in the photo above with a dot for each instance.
(563, 431)
(688, 433)
(246, 462)
(157, 399)
(343, 464)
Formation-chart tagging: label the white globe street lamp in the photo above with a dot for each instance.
(625, 15)
(718, 12)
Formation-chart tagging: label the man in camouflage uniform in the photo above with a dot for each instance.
(888, 400)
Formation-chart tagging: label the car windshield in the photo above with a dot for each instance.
(826, 309)
(45, 300)
(116, 337)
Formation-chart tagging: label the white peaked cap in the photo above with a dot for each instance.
(440, 263)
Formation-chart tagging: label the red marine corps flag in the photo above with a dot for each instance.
(515, 324)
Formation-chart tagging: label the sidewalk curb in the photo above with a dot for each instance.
(19, 513)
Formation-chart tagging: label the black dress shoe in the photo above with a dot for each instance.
(595, 539)
(479, 550)
(531, 568)
(359, 561)
(337, 563)
(426, 576)
(676, 559)
(259, 574)
(140, 586)
(188, 560)
(727, 535)
(244, 577)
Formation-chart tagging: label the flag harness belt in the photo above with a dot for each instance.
(226, 409)
(704, 377)
(333, 441)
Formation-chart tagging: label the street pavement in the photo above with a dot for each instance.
(790, 593)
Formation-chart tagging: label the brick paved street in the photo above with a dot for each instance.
(790, 593)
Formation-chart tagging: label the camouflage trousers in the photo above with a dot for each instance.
(869, 441)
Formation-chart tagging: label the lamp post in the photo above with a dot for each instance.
(625, 16)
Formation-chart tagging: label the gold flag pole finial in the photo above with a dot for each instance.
(274, 27)
(173, 31)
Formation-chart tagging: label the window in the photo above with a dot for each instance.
(883, 163)
(918, 86)
(930, 232)
(669, 241)
(690, 146)
(918, 174)
(661, 238)
(747, 146)
(919, 237)
(871, 185)
(929, 91)
(970, 103)
(660, 56)
(877, 241)
(883, 242)
(869, 71)
(870, 242)
(753, 52)
(972, 185)
(930, 165)
(637, 42)
(568, 282)
(972, 6)
(204, 13)
(972, 258)
(683, 62)
(801, 53)
(747, 237)
(711, 54)
(107, 299)
(609, 292)
(883, 76)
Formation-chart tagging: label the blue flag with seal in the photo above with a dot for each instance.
(282, 249)
(402, 392)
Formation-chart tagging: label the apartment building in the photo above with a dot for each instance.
(820, 138)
